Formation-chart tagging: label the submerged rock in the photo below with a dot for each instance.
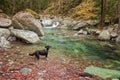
(27, 36)
(27, 21)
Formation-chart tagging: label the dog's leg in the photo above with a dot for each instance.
(46, 55)
(37, 55)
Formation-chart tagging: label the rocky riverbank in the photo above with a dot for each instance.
(60, 65)
(25, 26)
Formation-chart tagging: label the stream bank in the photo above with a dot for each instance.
(69, 55)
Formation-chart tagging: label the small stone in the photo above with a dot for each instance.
(1, 63)
(8, 74)
(44, 71)
(11, 62)
(40, 78)
(7, 56)
(25, 70)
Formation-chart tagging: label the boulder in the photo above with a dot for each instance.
(104, 35)
(67, 23)
(118, 39)
(64, 23)
(81, 24)
(4, 22)
(4, 43)
(82, 32)
(113, 34)
(93, 31)
(5, 32)
(92, 22)
(27, 36)
(27, 21)
(84, 23)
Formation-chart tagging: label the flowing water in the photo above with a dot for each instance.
(66, 43)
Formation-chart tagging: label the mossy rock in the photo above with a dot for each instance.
(37, 16)
(102, 72)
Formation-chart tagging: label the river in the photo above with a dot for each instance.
(91, 49)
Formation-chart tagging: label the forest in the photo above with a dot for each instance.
(59, 39)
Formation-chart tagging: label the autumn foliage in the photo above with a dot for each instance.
(85, 9)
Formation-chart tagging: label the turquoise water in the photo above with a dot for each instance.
(63, 40)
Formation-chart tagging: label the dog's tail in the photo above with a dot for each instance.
(31, 54)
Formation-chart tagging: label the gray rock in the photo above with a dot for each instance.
(1, 63)
(27, 21)
(82, 32)
(40, 78)
(27, 36)
(118, 39)
(93, 31)
(92, 22)
(5, 32)
(104, 35)
(11, 62)
(81, 24)
(11, 38)
(67, 23)
(4, 43)
(4, 22)
(113, 34)
(25, 70)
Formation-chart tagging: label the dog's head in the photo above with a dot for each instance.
(47, 47)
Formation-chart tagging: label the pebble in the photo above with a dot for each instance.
(1, 63)
(40, 78)
(25, 70)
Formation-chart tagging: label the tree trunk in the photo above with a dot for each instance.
(103, 9)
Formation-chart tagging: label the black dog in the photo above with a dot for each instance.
(41, 52)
